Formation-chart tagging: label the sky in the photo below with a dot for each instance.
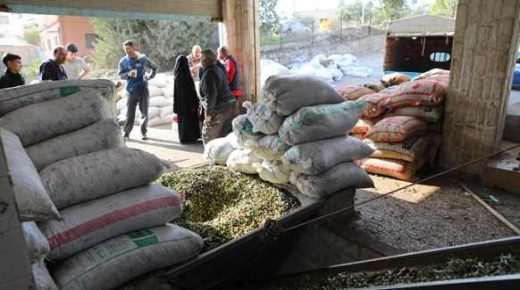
(287, 7)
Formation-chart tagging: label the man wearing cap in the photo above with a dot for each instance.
(12, 76)
(52, 69)
(75, 67)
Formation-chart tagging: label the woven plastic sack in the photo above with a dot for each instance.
(399, 169)
(269, 147)
(415, 93)
(243, 128)
(394, 79)
(101, 135)
(15, 98)
(341, 176)
(42, 121)
(319, 156)
(94, 175)
(217, 150)
(409, 150)
(321, 122)
(32, 201)
(92, 222)
(37, 245)
(427, 113)
(351, 93)
(42, 278)
(242, 160)
(374, 108)
(435, 72)
(397, 129)
(362, 126)
(273, 171)
(262, 118)
(112, 263)
(288, 93)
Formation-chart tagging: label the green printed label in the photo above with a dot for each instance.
(143, 238)
(65, 91)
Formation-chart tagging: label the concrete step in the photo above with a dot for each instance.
(503, 172)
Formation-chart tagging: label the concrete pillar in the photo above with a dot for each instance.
(241, 19)
(483, 56)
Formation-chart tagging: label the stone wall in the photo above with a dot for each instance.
(288, 52)
(484, 51)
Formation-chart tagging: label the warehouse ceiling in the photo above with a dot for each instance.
(180, 10)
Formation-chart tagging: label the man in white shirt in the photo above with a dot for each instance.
(75, 67)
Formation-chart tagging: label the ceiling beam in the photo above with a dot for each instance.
(200, 9)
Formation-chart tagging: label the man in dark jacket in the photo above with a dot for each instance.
(52, 69)
(12, 76)
(134, 69)
(216, 98)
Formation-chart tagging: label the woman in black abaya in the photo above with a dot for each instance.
(185, 102)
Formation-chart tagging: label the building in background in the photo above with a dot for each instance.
(60, 30)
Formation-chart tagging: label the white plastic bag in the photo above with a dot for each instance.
(31, 198)
(94, 175)
(112, 263)
(270, 147)
(288, 93)
(242, 161)
(273, 171)
(262, 118)
(341, 176)
(217, 151)
(321, 122)
(319, 156)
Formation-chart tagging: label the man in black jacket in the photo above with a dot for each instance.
(52, 69)
(12, 76)
(216, 98)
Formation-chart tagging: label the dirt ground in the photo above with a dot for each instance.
(434, 215)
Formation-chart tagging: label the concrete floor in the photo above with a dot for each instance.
(163, 141)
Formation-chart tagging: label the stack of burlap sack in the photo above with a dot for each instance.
(297, 133)
(402, 123)
(98, 218)
(160, 105)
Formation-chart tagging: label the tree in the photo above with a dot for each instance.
(393, 9)
(32, 35)
(161, 40)
(358, 12)
(444, 8)
(269, 19)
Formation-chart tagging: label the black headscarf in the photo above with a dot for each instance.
(185, 99)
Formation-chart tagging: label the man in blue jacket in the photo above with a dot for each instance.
(137, 70)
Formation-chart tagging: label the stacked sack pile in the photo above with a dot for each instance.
(297, 133)
(160, 106)
(99, 220)
(402, 123)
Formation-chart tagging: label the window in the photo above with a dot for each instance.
(56, 40)
(90, 40)
(49, 45)
(440, 57)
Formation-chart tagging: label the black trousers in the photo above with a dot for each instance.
(140, 98)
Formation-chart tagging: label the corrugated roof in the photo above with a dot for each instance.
(422, 25)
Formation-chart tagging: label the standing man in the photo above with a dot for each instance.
(137, 70)
(52, 69)
(216, 98)
(194, 62)
(12, 76)
(233, 75)
(75, 67)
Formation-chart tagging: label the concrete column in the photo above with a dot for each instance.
(483, 57)
(241, 19)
